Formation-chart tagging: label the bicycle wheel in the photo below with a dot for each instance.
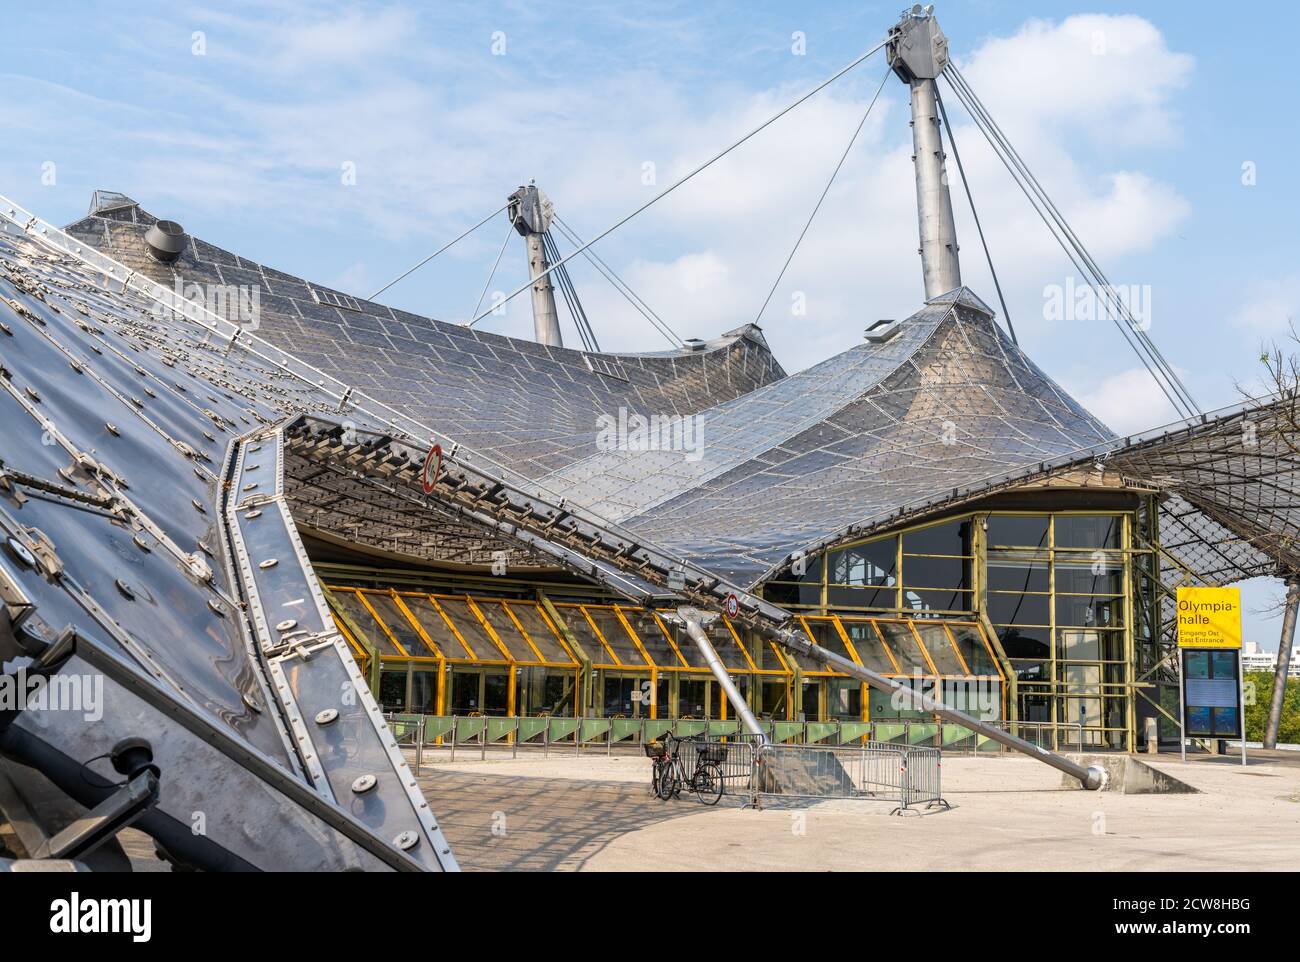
(669, 782)
(708, 783)
(654, 777)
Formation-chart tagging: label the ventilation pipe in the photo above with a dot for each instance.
(166, 240)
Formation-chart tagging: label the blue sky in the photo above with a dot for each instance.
(238, 119)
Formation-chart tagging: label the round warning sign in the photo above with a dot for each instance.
(432, 468)
(732, 606)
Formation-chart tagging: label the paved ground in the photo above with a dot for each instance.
(595, 813)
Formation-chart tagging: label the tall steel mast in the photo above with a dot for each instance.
(918, 52)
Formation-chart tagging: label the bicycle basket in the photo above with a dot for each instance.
(717, 754)
(655, 750)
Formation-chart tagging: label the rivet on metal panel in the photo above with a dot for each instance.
(140, 543)
(268, 563)
(216, 608)
(198, 506)
(286, 625)
(123, 587)
(364, 783)
(327, 716)
(407, 840)
(252, 515)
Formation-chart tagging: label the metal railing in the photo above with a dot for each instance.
(906, 775)
(607, 734)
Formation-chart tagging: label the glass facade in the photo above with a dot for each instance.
(1070, 600)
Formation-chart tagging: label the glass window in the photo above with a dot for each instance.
(692, 695)
(435, 626)
(867, 564)
(539, 631)
(971, 645)
(867, 644)
(398, 624)
(952, 538)
(470, 628)
(1007, 609)
(392, 690)
(1007, 572)
(499, 619)
(613, 631)
(917, 600)
(841, 597)
(1084, 611)
(1088, 532)
(906, 651)
(1021, 642)
(935, 639)
(424, 691)
(774, 700)
(1099, 576)
(1019, 531)
(365, 621)
(936, 572)
(653, 639)
(844, 699)
(823, 633)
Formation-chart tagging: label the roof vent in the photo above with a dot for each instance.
(166, 240)
(693, 344)
(882, 331)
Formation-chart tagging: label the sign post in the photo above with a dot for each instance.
(1209, 643)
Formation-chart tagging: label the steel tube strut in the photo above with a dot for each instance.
(691, 619)
(1091, 778)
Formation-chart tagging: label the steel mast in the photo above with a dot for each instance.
(918, 52)
(530, 212)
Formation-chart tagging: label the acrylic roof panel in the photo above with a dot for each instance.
(531, 407)
(947, 401)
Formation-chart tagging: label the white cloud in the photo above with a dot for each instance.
(1128, 402)
(1271, 307)
(440, 131)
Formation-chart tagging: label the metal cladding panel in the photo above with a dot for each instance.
(121, 423)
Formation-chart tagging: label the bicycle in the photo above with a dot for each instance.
(669, 774)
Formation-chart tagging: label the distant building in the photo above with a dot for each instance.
(1255, 659)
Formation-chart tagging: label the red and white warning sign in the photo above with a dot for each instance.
(432, 468)
(732, 606)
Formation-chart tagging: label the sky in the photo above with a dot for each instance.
(344, 142)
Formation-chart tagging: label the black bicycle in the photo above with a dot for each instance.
(669, 776)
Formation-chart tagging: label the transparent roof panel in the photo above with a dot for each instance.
(615, 634)
(866, 642)
(399, 624)
(435, 626)
(365, 621)
(506, 630)
(539, 631)
(470, 628)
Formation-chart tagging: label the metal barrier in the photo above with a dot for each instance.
(737, 762)
(907, 775)
(579, 734)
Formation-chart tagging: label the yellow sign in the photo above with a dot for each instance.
(1209, 617)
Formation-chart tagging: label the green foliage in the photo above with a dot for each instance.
(1257, 714)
